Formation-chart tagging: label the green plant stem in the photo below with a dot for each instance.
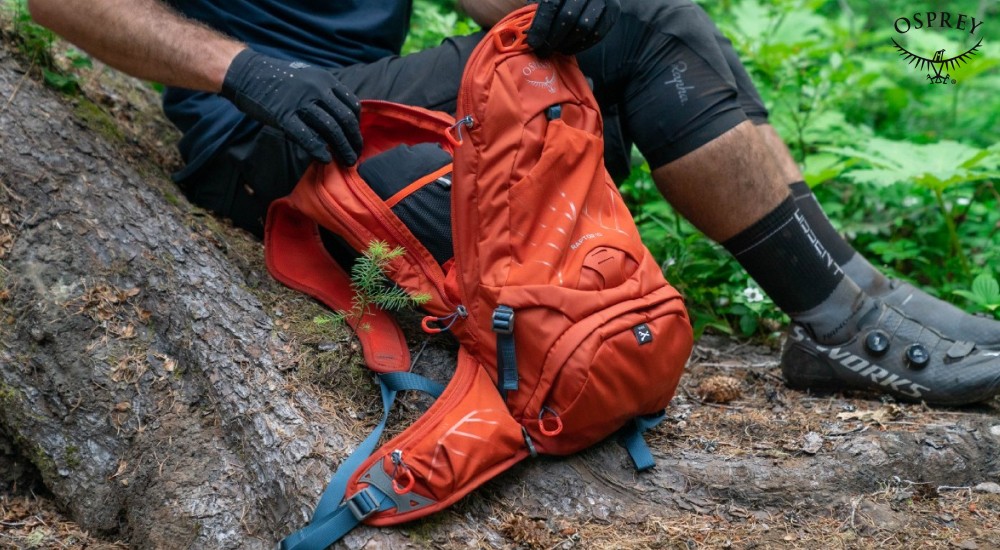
(956, 244)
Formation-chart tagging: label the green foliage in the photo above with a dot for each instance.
(905, 170)
(433, 21)
(36, 43)
(373, 288)
(985, 293)
(718, 293)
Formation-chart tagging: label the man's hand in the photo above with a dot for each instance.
(308, 103)
(571, 26)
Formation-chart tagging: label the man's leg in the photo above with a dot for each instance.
(664, 70)
(946, 318)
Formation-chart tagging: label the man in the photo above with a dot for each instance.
(262, 88)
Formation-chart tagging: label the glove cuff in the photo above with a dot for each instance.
(237, 69)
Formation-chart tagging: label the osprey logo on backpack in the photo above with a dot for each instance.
(540, 74)
(568, 331)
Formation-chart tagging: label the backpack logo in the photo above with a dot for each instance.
(642, 334)
(540, 75)
(937, 63)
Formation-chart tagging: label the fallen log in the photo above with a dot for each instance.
(167, 394)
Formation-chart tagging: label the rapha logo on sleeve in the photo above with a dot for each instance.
(958, 27)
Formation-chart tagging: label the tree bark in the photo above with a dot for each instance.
(156, 394)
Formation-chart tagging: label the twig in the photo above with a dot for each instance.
(950, 488)
(698, 400)
(416, 358)
(738, 365)
(13, 195)
(14, 523)
(17, 88)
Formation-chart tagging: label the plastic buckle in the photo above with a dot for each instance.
(362, 505)
(503, 320)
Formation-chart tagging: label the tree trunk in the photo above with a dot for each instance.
(158, 389)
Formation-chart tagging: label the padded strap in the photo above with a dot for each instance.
(334, 516)
(631, 438)
(296, 257)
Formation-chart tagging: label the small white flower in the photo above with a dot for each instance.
(910, 201)
(753, 294)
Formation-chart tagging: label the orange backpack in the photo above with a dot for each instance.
(568, 331)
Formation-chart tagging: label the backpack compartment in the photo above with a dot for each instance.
(340, 199)
(621, 362)
(599, 337)
(463, 440)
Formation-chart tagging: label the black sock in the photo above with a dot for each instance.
(783, 254)
(854, 265)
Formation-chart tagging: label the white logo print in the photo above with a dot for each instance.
(298, 65)
(541, 80)
(864, 368)
(678, 70)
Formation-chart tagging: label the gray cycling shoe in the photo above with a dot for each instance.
(947, 319)
(896, 355)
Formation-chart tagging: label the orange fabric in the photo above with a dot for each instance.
(538, 226)
(463, 440)
(545, 231)
(338, 199)
(295, 256)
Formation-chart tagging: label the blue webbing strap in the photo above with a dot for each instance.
(630, 437)
(332, 518)
(503, 325)
(323, 532)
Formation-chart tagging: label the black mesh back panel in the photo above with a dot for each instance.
(426, 212)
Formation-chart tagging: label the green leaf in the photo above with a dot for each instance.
(987, 288)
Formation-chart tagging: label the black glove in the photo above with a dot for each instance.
(308, 103)
(571, 26)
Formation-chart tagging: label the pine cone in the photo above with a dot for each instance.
(719, 389)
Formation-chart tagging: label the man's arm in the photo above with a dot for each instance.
(488, 12)
(148, 40)
(143, 38)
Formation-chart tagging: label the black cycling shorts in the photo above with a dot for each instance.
(666, 79)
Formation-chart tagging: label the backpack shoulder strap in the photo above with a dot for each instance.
(296, 257)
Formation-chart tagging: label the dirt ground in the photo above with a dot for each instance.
(758, 418)
(762, 420)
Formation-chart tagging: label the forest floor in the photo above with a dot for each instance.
(750, 414)
(763, 419)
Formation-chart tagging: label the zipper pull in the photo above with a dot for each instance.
(445, 323)
(454, 132)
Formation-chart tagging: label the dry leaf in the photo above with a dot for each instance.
(887, 413)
